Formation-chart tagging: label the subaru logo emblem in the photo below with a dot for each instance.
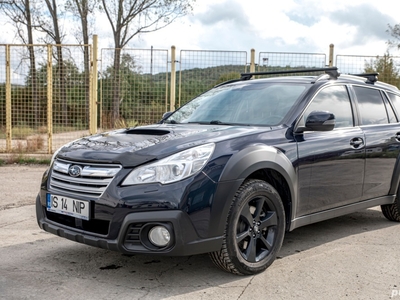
(74, 171)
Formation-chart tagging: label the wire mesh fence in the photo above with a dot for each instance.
(201, 70)
(387, 66)
(38, 73)
(28, 105)
(283, 61)
(133, 86)
(71, 90)
(51, 86)
(2, 97)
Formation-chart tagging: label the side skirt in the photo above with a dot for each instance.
(340, 211)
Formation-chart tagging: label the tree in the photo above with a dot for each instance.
(394, 31)
(83, 9)
(22, 14)
(54, 35)
(386, 67)
(129, 18)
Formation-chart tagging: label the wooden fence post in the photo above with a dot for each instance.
(8, 101)
(49, 99)
(173, 79)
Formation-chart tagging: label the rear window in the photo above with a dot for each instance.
(395, 99)
(371, 105)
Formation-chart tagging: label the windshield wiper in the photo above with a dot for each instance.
(213, 122)
(216, 122)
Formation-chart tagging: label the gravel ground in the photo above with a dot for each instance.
(351, 257)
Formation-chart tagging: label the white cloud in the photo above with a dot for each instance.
(354, 27)
(287, 25)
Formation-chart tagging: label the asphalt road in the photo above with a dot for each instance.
(352, 257)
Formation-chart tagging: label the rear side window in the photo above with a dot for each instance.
(372, 108)
(395, 101)
(389, 110)
(334, 99)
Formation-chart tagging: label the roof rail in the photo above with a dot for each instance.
(371, 77)
(230, 81)
(332, 72)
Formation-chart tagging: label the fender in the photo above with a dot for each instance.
(239, 167)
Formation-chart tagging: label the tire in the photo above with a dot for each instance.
(254, 231)
(392, 211)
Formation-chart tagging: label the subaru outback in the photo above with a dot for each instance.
(232, 170)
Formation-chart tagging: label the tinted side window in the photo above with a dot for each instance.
(334, 99)
(389, 110)
(372, 108)
(396, 101)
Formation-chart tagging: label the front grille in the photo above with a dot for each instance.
(91, 179)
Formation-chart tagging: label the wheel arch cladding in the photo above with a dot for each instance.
(248, 161)
(394, 185)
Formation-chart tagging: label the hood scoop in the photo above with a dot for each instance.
(145, 131)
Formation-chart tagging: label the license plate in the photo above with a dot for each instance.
(68, 206)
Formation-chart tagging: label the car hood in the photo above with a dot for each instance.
(135, 146)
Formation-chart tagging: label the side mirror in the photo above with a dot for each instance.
(320, 121)
(166, 114)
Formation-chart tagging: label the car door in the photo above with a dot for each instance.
(331, 163)
(382, 135)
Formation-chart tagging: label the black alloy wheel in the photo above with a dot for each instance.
(254, 231)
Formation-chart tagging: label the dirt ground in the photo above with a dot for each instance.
(352, 257)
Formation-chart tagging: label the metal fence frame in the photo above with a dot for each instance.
(146, 65)
(228, 61)
(216, 62)
(290, 60)
(47, 49)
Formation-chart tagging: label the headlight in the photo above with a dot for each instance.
(173, 168)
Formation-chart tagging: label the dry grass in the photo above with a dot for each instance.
(31, 144)
(22, 132)
(20, 158)
(34, 143)
(122, 123)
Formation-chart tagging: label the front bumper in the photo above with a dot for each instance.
(131, 237)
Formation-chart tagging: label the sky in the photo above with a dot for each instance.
(355, 27)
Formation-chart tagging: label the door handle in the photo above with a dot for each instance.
(357, 143)
(397, 136)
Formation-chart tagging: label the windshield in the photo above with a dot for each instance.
(241, 104)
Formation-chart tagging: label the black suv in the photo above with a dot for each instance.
(232, 170)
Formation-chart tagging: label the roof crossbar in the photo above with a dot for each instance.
(332, 72)
(371, 77)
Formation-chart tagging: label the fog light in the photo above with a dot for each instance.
(159, 236)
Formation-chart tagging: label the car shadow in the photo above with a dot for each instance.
(320, 233)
